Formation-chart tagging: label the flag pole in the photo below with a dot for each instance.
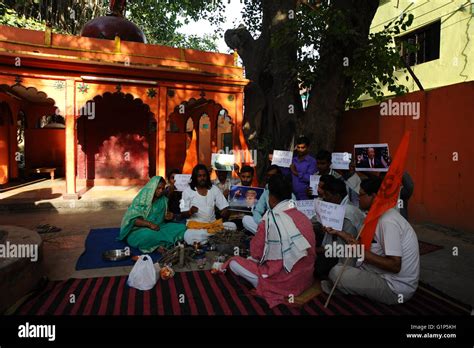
(340, 273)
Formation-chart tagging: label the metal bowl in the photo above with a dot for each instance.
(116, 255)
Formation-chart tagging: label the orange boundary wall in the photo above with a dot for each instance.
(444, 188)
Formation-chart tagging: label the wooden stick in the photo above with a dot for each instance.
(340, 273)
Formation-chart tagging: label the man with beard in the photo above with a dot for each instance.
(198, 206)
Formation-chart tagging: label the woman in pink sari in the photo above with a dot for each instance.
(283, 251)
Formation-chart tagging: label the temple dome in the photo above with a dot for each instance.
(107, 27)
(114, 24)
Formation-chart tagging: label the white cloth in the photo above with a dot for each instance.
(394, 236)
(283, 240)
(201, 235)
(243, 272)
(249, 224)
(205, 204)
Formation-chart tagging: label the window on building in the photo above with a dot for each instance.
(422, 45)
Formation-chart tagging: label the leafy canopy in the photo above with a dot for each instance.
(160, 20)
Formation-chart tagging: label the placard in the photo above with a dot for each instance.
(182, 181)
(329, 214)
(341, 160)
(372, 157)
(244, 198)
(306, 207)
(222, 162)
(282, 158)
(313, 183)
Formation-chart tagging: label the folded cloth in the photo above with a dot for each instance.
(283, 240)
(211, 227)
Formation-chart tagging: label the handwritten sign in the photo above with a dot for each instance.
(282, 158)
(341, 160)
(182, 181)
(329, 214)
(313, 183)
(306, 207)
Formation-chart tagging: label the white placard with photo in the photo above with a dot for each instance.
(282, 158)
(182, 181)
(329, 214)
(341, 160)
(222, 162)
(306, 207)
(371, 157)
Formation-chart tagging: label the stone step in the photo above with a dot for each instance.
(11, 206)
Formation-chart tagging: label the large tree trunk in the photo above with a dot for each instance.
(273, 91)
(332, 87)
(272, 101)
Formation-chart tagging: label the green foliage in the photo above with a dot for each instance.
(371, 66)
(11, 18)
(160, 20)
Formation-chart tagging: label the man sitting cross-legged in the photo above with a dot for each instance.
(283, 250)
(250, 223)
(198, 206)
(335, 192)
(391, 269)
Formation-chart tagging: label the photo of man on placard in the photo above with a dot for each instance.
(372, 157)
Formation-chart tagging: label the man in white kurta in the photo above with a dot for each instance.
(198, 204)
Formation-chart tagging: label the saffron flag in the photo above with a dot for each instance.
(191, 156)
(387, 197)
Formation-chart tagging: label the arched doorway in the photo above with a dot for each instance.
(213, 126)
(116, 141)
(6, 121)
(36, 132)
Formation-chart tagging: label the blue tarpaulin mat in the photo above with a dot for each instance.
(100, 240)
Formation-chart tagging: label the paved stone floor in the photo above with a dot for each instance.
(450, 273)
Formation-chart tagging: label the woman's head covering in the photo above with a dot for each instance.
(140, 207)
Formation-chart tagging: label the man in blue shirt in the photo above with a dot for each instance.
(302, 168)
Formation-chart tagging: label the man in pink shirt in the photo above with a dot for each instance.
(283, 251)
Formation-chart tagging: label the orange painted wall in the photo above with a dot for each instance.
(8, 166)
(45, 148)
(443, 187)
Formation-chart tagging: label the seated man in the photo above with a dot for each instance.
(322, 180)
(198, 206)
(144, 226)
(335, 192)
(284, 266)
(391, 269)
(246, 175)
(250, 223)
(174, 196)
(224, 181)
(323, 164)
(352, 180)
